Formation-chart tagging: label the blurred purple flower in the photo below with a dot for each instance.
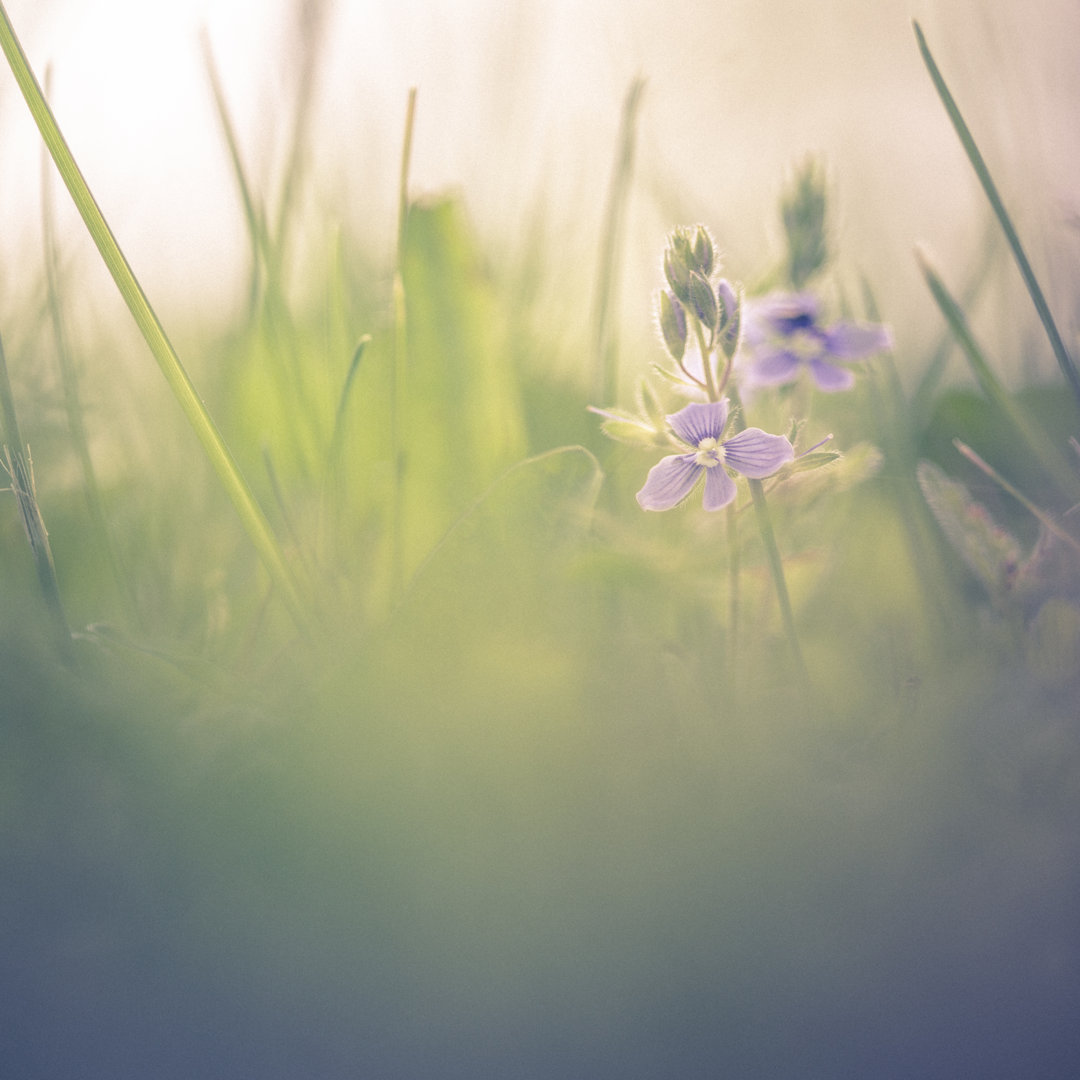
(783, 334)
(751, 452)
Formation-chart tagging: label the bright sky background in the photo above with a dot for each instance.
(522, 99)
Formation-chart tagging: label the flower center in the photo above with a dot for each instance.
(710, 453)
(806, 344)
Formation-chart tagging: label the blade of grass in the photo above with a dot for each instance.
(311, 20)
(1042, 516)
(221, 459)
(923, 398)
(334, 451)
(70, 383)
(268, 300)
(1033, 438)
(604, 347)
(587, 500)
(899, 424)
(399, 381)
(253, 211)
(20, 470)
(1065, 361)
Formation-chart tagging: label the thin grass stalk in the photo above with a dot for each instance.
(279, 336)
(925, 391)
(1045, 519)
(331, 500)
(1032, 437)
(594, 489)
(605, 349)
(69, 380)
(20, 470)
(254, 215)
(1065, 361)
(221, 459)
(898, 424)
(399, 382)
(337, 437)
(311, 20)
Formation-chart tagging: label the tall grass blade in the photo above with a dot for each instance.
(922, 400)
(1065, 361)
(1032, 437)
(573, 471)
(899, 424)
(311, 21)
(69, 381)
(17, 464)
(333, 454)
(254, 215)
(401, 349)
(146, 319)
(604, 348)
(1045, 519)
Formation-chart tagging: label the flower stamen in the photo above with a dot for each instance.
(710, 453)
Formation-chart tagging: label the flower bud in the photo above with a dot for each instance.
(703, 251)
(673, 325)
(677, 273)
(802, 208)
(730, 321)
(728, 303)
(703, 300)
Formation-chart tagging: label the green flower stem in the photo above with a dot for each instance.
(221, 459)
(772, 550)
(706, 362)
(733, 588)
(776, 569)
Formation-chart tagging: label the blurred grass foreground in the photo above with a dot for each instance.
(375, 730)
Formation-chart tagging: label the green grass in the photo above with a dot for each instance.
(397, 741)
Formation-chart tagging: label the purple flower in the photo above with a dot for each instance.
(752, 452)
(783, 334)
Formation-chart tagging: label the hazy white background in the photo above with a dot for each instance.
(519, 106)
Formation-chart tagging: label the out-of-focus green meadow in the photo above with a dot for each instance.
(510, 801)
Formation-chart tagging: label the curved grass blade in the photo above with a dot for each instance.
(399, 385)
(1065, 361)
(922, 400)
(607, 278)
(254, 215)
(221, 459)
(1033, 437)
(334, 451)
(577, 509)
(1045, 519)
(15, 461)
(309, 36)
